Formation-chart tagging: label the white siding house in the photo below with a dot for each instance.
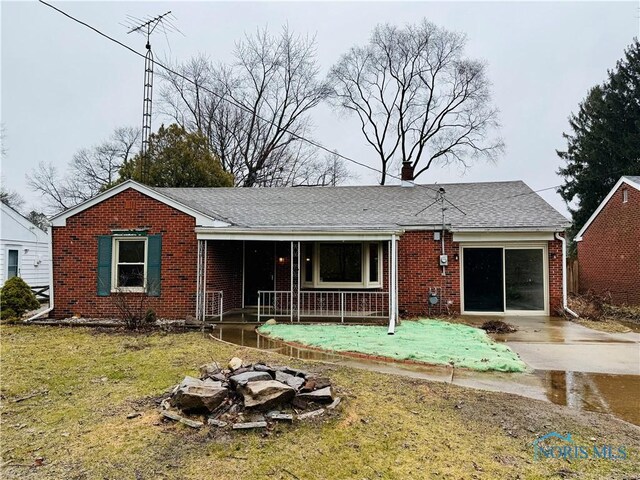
(24, 249)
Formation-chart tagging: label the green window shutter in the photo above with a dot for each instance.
(154, 255)
(104, 265)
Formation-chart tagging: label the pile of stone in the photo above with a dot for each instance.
(248, 396)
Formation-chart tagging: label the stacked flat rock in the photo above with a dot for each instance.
(248, 396)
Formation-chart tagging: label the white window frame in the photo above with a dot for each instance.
(507, 246)
(364, 263)
(115, 254)
(625, 195)
(18, 248)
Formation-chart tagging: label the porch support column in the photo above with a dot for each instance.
(393, 285)
(295, 281)
(200, 280)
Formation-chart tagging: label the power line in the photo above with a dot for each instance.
(232, 102)
(242, 107)
(293, 134)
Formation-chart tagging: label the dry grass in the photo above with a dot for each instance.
(387, 427)
(596, 313)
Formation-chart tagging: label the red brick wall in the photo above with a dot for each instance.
(609, 253)
(75, 256)
(224, 271)
(418, 270)
(555, 277)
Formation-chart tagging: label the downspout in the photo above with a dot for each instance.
(565, 306)
(44, 312)
(392, 286)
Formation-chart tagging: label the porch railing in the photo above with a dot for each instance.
(213, 304)
(274, 303)
(325, 304)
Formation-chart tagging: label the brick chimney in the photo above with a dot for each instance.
(406, 174)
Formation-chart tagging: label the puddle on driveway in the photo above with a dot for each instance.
(597, 392)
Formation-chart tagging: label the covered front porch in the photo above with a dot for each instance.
(330, 277)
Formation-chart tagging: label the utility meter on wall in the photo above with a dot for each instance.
(444, 260)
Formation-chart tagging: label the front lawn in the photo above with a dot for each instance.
(67, 392)
(429, 341)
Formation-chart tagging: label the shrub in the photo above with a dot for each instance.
(150, 316)
(16, 298)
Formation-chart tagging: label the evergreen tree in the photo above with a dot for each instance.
(177, 158)
(605, 140)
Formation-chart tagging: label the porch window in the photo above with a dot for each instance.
(340, 262)
(342, 265)
(129, 265)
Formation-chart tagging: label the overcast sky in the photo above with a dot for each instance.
(64, 87)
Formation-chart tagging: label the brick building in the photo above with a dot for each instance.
(609, 245)
(311, 252)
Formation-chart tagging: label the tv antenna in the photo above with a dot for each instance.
(147, 26)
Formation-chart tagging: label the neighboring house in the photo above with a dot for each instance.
(609, 245)
(24, 249)
(311, 252)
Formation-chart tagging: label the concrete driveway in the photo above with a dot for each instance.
(547, 343)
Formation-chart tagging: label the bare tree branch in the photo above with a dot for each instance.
(417, 99)
(254, 109)
(90, 171)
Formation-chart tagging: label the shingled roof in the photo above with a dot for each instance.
(486, 206)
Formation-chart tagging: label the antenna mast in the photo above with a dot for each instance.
(147, 27)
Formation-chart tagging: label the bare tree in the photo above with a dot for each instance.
(255, 110)
(418, 100)
(39, 219)
(90, 171)
(11, 198)
(329, 170)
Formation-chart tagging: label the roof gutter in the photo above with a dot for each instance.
(565, 306)
(44, 312)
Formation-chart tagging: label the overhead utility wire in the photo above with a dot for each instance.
(299, 137)
(295, 135)
(232, 102)
(495, 200)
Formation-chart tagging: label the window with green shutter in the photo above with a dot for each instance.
(129, 263)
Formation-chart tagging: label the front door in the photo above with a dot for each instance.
(259, 265)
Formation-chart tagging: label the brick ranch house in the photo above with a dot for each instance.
(609, 245)
(311, 252)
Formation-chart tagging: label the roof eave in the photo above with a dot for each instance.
(60, 219)
(628, 181)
